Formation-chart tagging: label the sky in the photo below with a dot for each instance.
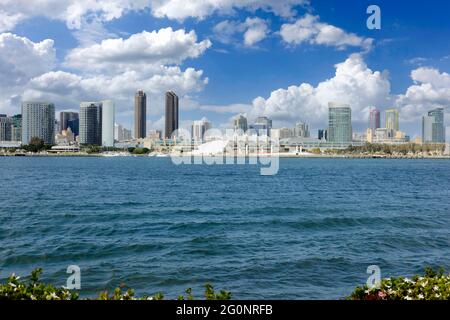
(285, 59)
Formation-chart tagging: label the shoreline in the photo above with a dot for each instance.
(281, 155)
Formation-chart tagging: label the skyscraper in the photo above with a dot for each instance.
(433, 129)
(240, 123)
(374, 119)
(199, 129)
(392, 119)
(108, 120)
(262, 126)
(91, 123)
(339, 123)
(16, 131)
(69, 120)
(6, 125)
(171, 114)
(301, 130)
(140, 114)
(38, 121)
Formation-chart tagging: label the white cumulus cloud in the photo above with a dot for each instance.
(309, 29)
(161, 47)
(253, 30)
(75, 12)
(354, 84)
(181, 9)
(21, 58)
(431, 89)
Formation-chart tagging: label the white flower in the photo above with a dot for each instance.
(435, 288)
(54, 296)
(408, 298)
(420, 296)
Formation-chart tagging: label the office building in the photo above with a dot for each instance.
(171, 114)
(38, 121)
(16, 134)
(433, 128)
(240, 123)
(90, 123)
(69, 120)
(322, 134)
(108, 120)
(199, 129)
(374, 119)
(6, 125)
(339, 123)
(154, 135)
(301, 130)
(392, 116)
(262, 126)
(140, 114)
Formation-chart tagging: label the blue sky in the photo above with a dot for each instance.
(403, 65)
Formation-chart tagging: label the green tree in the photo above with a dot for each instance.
(35, 145)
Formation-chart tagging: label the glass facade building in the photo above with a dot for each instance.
(433, 128)
(171, 114)
(91, 123)
(339, 123)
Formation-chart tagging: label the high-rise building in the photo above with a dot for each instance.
(140, 114)
(154, 134)
(69, 120)
(16, 131)
(6, 125)
(339, 123)
(38, 121)
(56, 127)
(171, 114)
(108, 120)
(127, 136)
(91, 123)
(392, 116)
(199, 129)
(118, 132)
(74, 126)
(322, 134)
(240, 123)
(286, 133)
(262, 126)
(301, 130)
(374, 119)
(433, 128)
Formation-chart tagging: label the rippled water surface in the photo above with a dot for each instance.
(309, 232)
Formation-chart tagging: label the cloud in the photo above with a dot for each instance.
(353, 83)
(21, 58)
(309, 29)
(74, 12)
(65, 88)
(253, 31)
(417, 61)
(431, 89)
(200, 9)
(257, 30)
(71, 11)
(148, 60)
(161, 47)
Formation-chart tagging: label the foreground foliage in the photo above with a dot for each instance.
(432, 286)
(33, 289)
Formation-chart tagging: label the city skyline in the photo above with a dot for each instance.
(296, 77)
(96, 122)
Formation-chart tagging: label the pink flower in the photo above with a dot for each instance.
(382, 295)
